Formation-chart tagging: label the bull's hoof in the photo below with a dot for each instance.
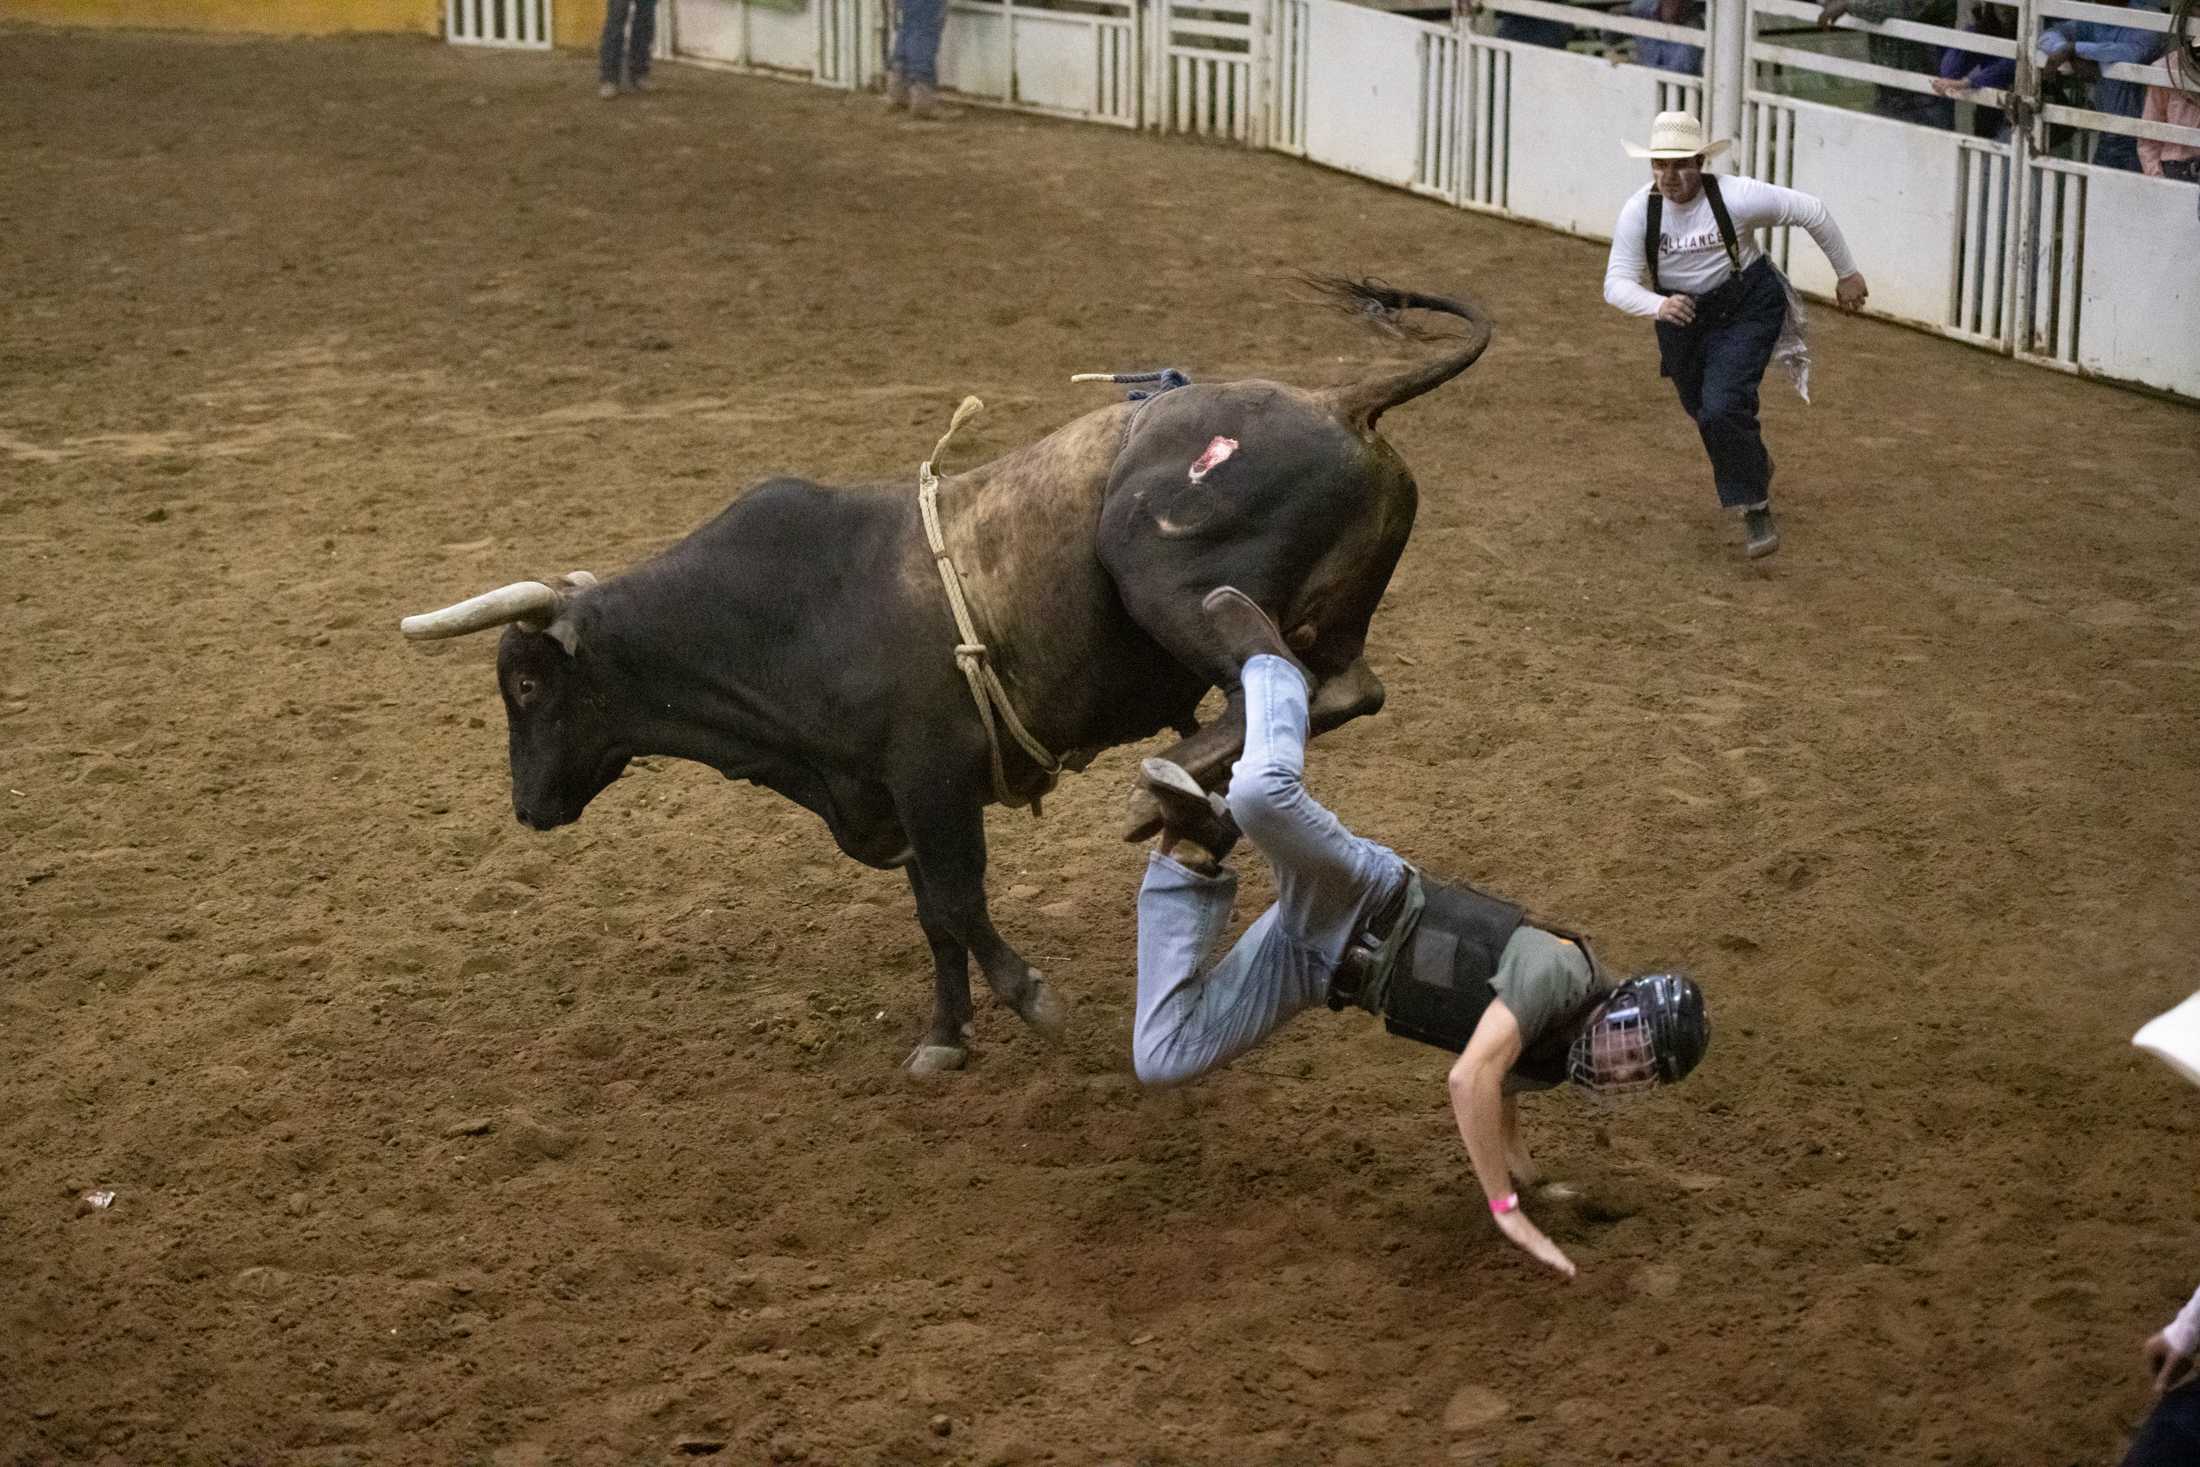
(1354, 693)
(937, 1059)
(1142, 820)
(1045, 1010)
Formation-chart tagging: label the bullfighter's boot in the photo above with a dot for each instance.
(925, 104)
(1760, 533)
(1197, 822)
(1242, 631)
(897, 90)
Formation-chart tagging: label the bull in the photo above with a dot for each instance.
(802, 639)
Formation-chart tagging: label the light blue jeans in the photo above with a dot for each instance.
(1328, 883)
(917, 41)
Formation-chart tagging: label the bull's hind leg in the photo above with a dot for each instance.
(946, 826)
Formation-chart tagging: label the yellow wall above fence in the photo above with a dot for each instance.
(267, 17)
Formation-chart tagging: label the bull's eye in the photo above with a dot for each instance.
(524, 689)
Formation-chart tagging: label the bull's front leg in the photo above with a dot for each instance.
(946, 825)
(945, 1044)
(1209, 754)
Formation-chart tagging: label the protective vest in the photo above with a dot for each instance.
(1428, 973)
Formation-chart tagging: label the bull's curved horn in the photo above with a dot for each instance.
(528, 601)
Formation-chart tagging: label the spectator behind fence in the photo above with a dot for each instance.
(2171, 1435)
(2080, 48)
(913, 71)
(1964, 72)
(622, 56)
(1533, 30)
(2176, 104)
(1898, 54)
(1668, 55)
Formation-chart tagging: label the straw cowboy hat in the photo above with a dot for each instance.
(2174, 1038)
(1676, 135)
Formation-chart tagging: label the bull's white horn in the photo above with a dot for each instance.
(529, 601)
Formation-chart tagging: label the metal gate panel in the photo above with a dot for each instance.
(523, 24)
(1208, 68)
(1442, 113)
(1485, 127)
(1985, 245)
(708, 30)
(1895, 190)
(2107, 283)
(1563, 162)
(975, 57)
(1363, 105)
(1083, 63)
(1076, 64)
(782, 40)
(741, 34)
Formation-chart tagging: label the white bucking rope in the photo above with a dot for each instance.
(970, 653)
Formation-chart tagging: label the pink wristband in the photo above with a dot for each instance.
(1499, 1206)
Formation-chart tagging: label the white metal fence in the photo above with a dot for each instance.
(518, 23)
(2011, 239)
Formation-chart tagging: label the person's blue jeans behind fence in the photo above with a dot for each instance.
(1716, 364)
(916, 55)
(622, 46)
(1665, 55)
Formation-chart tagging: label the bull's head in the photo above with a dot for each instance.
(564, 748)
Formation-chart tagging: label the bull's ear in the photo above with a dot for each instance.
(563, 630)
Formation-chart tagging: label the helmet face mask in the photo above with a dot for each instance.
(1649, 1031)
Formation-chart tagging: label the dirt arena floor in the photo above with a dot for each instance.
(435, 1140)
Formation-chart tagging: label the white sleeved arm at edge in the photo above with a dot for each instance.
(2184, 1330)
(1625, 268)
(1755, 205)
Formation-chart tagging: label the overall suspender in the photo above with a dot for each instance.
(1655, 214)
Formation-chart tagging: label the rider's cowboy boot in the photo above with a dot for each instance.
(1190, 815)
(1243, 631)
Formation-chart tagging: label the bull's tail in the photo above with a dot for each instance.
(1361, 403)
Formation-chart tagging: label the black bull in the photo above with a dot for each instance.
(802, 640)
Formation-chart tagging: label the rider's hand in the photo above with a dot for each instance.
(1529, 1238)
(2169, 1369)
(1850, 291)
(1677, 310)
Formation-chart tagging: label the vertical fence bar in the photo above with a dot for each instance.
(2005, 202)
(2073, 266)
(2047, 208)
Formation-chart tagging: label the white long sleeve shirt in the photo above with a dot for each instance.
(2184, 1330)
(1691, 258)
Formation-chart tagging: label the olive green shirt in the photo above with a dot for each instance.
(1542, 978)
